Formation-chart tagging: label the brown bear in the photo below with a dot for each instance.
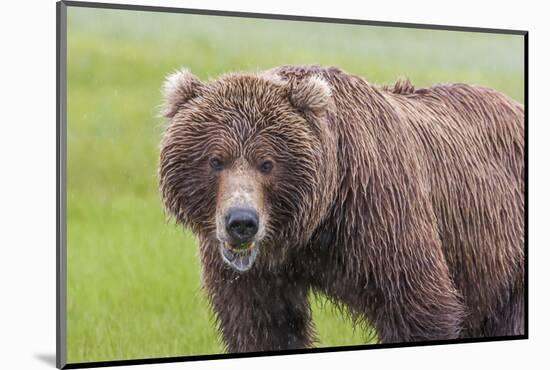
(404, 205)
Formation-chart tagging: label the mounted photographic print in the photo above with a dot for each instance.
(234, 184)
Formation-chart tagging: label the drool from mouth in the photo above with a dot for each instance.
(240, 257)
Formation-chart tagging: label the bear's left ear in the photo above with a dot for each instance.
(178, 88)
(311, 94)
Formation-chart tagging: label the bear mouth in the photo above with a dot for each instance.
(240, 257)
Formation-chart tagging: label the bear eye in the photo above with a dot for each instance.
(216, 164)
(266, 167)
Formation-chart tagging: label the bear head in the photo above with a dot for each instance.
(247, 161)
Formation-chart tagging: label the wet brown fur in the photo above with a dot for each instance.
(403, 205)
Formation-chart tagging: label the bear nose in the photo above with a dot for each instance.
(241, 224)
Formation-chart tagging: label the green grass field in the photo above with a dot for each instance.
(133, 277)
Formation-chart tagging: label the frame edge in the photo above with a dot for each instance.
(61, 161)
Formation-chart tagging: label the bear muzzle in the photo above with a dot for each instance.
(240, 249)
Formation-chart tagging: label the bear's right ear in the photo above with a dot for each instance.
(178, 88)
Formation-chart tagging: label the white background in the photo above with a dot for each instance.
(27, 181)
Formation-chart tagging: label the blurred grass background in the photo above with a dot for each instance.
(133, 277)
